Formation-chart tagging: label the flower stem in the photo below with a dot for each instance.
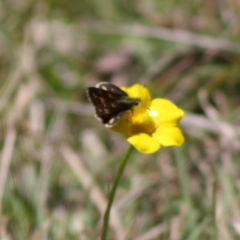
(113, 191)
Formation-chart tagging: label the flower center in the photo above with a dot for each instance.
(143, 123)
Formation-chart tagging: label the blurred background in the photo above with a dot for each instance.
(57, 162)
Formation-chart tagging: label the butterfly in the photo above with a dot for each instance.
(110, 102)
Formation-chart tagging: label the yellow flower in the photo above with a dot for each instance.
(151, 123)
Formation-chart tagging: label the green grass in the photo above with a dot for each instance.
(57, 162)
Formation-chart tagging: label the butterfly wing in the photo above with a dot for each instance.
(110, 115)
(107, 105)
(110, 88)
(110, 102)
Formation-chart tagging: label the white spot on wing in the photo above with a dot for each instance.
(99, 85)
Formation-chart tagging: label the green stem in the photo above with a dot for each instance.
(113, 191)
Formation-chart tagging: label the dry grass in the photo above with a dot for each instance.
(58, 162)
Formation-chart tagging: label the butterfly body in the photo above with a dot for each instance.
(110, 102)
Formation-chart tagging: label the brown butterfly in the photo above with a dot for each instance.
(110, 102)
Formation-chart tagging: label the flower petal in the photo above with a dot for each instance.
(144, 143)
(122, 126)
(168, 113)
(139, 91)
(169, 136)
